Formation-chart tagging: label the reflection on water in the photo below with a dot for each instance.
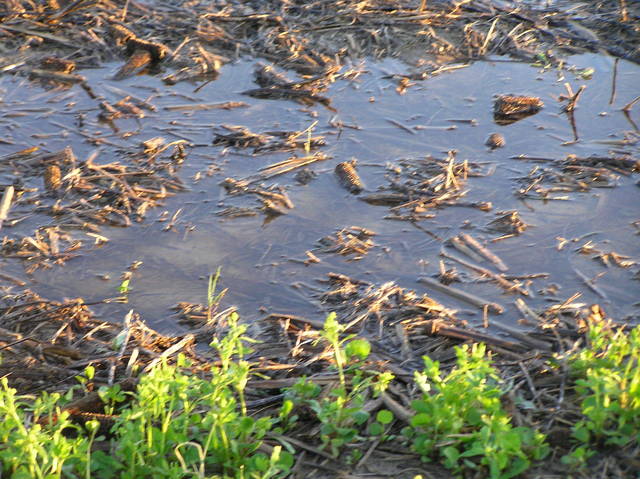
(256, 257)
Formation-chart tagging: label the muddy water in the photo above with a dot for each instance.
(256, 256)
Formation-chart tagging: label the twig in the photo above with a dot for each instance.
(471, 241)
(16, 281)
(464, 249)
(525, 338)
(461, 295)
(613, 81)
(227, 105)
(527, 311)
(573, 100)
(400, 125)
(628, 106)
(590, 284)
(396, 408)
(507, 285)
(188, 339)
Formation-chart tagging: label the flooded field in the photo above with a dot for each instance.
(425, 213)
(580, 238)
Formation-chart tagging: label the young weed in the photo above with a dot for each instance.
(608, 388)
(175, 425)
(459, 420)
(341, 412)
(213, 298)
(29, 451)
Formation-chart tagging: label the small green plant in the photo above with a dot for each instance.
(608, 387)
(460, 421)
(86, 379)
(28, 449)
(125, 284)
(341, 413)
(307, 143)
(175, 425)
(213, 298)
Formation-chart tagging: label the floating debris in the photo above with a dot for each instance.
(507, 222)
(495, 140)
(57, 64)
(300, 96)
(52, 178)
(141, 53)
(241, 137)
(575, 174)
(461, 295)
(305, 176)
(348, 176)
(47, 344)
(267, 77)
(508, 109)
(48, 246)
(354, 241)
(273, 200)
(416, 186)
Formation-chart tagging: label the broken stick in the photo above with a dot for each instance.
(461, 295)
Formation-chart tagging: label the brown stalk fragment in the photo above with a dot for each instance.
(57, 76)
(138, 61)
(57, 64)
(348, 176)
(507, 285)
(142, 54)
(5, 203)
(461, 295)
(300, 96)
(52, 178)
(121, 34)
(484, 251)
(508, 109)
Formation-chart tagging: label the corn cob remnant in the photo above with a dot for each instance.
(495, 140)
(509, 108)
(348, 176)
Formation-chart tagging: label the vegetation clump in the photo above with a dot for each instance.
(607, 384)
(460, 420)
(177, 423)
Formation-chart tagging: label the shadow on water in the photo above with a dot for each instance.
(379, 127)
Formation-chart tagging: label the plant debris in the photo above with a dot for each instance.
(354, 241)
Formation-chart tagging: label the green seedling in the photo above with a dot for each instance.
(607, 383)
(213, 298)
(341, 412)
(459, 420)
(175, 425)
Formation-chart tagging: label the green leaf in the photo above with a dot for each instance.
(420, 419)
(287, 407)
(260, 462)
(376, 429)
(89, 372)
(384, 416)
(360, 417)
(359, 348)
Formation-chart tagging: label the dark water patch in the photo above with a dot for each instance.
(261, 261)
